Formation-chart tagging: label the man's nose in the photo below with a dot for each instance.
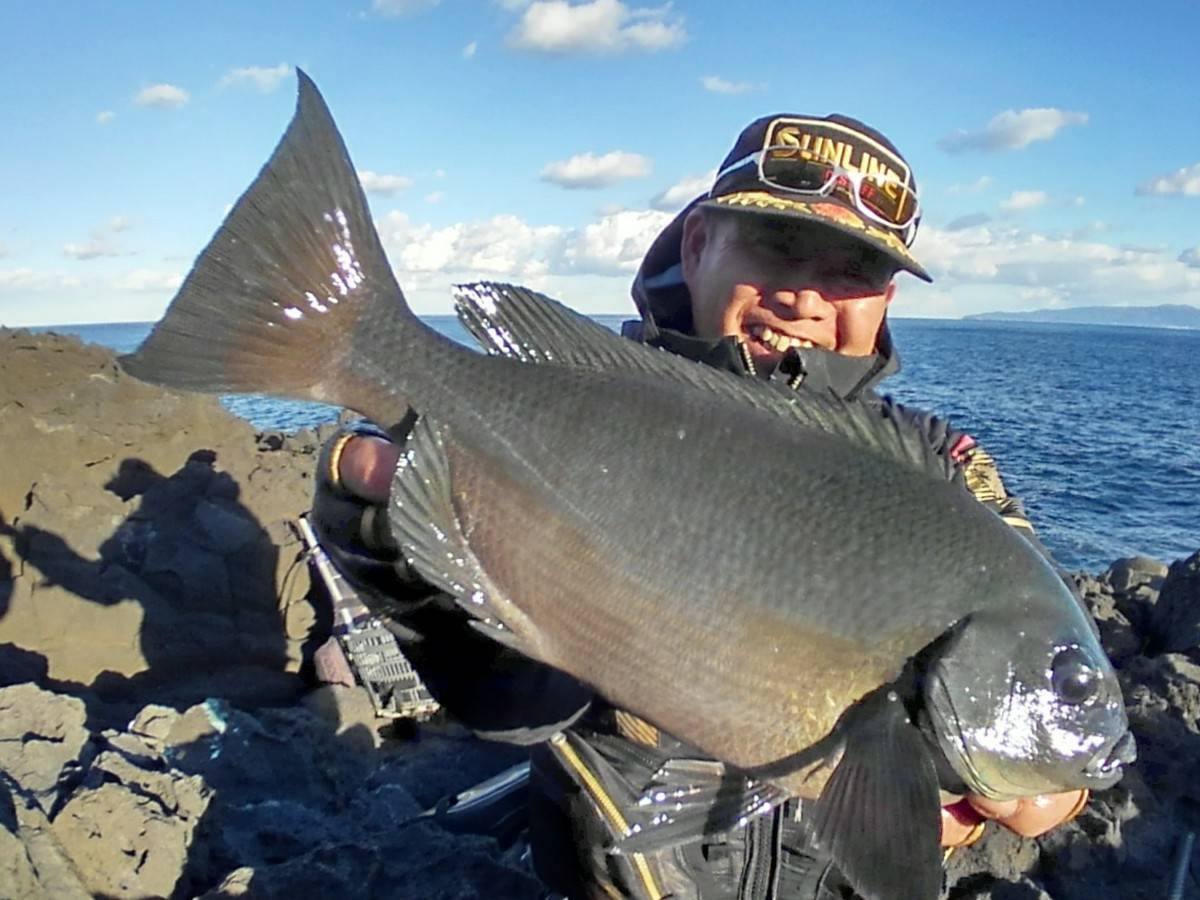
(804, 303)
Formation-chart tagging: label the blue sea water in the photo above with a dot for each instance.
(1096, 428)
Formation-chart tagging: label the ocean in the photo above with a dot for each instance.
(1096, 428)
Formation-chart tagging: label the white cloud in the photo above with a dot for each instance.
(1020, 200)
(509, 247)
(503, 245)
(102, 241)
(103, 118)
(973, 187)
(1191, 257)
(377, 183)
(162, 95)
(1013, 130)
(587, 170)
(719, 85)
(469, 50)
(26, 279)
(434, 197)
(263, 79)
(681, 192)
(1184, 182)
(147, 280)
(599, 26)
(401, 7)
(614, 245)
(984, 268)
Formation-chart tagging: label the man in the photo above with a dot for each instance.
(784, 270)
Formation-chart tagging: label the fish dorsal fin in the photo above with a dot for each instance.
(521, 324)
(421, 509)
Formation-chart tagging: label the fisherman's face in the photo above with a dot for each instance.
(775, 284)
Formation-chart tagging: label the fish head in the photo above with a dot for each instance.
(1029, 707)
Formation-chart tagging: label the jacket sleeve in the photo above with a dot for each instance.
(977, 467)
(489, 688)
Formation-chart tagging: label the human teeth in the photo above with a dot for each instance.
(777, 341)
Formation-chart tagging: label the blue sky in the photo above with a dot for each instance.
(1057, 145)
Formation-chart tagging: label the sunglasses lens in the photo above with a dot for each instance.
(785, 168)
(882, 197)
(888, 199)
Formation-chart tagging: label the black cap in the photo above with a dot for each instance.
(854, 146)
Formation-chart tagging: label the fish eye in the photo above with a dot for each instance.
(1073, 677)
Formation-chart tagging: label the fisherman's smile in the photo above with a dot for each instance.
(778, 291)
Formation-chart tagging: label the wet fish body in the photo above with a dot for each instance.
(865, 617)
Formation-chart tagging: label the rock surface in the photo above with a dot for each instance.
(146, 545)
(160, 736)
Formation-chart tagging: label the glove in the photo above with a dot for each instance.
(963, 820)
(349, 514)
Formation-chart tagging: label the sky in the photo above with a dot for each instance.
(1056, 145)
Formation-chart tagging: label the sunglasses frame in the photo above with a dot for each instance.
(831, 180)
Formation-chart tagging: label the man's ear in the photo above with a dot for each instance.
(696, 234)
(890, 293)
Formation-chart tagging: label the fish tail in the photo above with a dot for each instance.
(293, 296)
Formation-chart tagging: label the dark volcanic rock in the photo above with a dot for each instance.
(1175, 624)
(225, 803)
(43, 742)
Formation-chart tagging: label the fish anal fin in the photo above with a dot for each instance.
(423, 518)
(879, 817)
(687, 799)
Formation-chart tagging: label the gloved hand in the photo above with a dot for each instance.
(360, 463)
(350, 517)
(963, 820)
(495, 691)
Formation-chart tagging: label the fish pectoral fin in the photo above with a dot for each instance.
(687, 799)
(423, 519)
(879, 816)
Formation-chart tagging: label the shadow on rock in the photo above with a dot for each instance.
(6, 578)
(190, 571)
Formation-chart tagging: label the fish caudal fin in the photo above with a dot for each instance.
(292, 290)
(879, 817)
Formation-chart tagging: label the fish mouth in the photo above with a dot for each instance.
(777, 340)
(1107, 766)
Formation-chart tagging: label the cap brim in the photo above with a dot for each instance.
(827, 212)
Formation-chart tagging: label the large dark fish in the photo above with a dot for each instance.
(867, 631)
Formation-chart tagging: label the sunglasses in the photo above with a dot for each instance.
(881, 196)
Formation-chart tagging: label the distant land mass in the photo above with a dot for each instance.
(1164, 316)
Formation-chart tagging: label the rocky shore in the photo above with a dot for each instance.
(161, 733)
